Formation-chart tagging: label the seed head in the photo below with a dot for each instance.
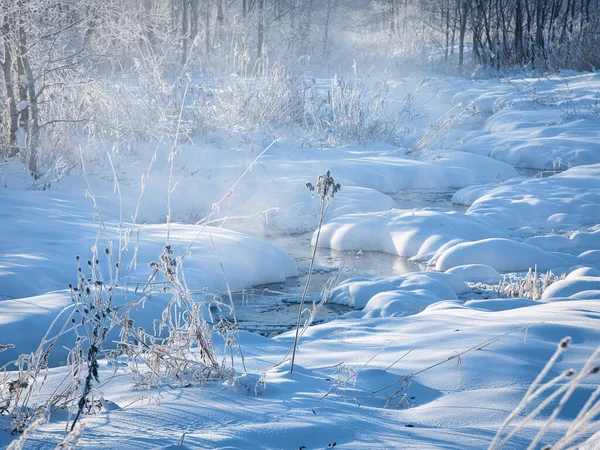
(565, 343)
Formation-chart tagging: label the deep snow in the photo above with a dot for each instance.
(345, 389)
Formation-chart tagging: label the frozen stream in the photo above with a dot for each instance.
(273, 309)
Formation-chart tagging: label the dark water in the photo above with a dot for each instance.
(429, 198)
(273, 309)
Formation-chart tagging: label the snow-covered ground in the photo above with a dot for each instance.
(431, 359)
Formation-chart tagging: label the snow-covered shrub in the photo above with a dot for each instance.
(294, 106)
(530, 286)
(180, 349)
(356, 110)
(268, 97)
(115, 114)
(435, 135)
(89, 319)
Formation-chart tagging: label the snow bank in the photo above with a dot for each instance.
(536, 123)
(583, 272)
(577, 242)
(589, 257)
(557, 202)
(42, 263)
(399, 303)
(476, 273)
(43, 232)
(587, 286)
(397, 296)
(24, 322)
(468, 195)
(417, 234)
(503, 255)
(366, 176)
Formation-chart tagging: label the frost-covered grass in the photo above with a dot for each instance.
(296, 106)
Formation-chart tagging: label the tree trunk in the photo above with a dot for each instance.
(185, 31)
(261, 28)
(29, 115)
(463, 12)
(326, 32)
(207, 27)
(9, 87)
(519, 33)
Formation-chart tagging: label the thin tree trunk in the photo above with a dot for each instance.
(261, 28)
(326, 32)
(185, 31)
(29, 115)
(9, 88)
(463, 14)
(207, 27)
(519, 33)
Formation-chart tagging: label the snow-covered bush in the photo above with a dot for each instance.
(356, 110)
(530, 286)
(294, 106)
(267, 97)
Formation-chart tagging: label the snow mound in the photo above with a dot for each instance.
(397, 296)
(468, 195)
(416, 234)
(35, 266)
(24, 322)
(500, 304)
(476, 273)
(542, 124)
(577, 243)
(572, 287)
(503, 255)
(570, 198)
(583, 272)
(590, 257)
(399, 303)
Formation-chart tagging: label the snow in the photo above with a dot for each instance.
(476, 273)
(540, 201)
(469, 352)
(367, 175)
(504, 255)
(511, 227)
(358, 292)
(589, 257)
(537, 123)
(583, 272)
(571, 287)
(417, 234)
(34, 262)
(451, 403)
